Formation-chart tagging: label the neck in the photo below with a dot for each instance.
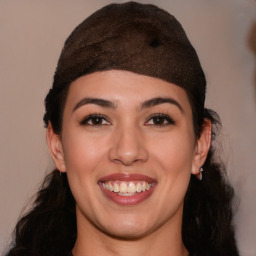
(165, 241)
(128, 248)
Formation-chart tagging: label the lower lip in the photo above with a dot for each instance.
(128, 200)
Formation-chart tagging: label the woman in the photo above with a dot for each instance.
(130, 137)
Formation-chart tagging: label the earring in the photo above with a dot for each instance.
(200, 173)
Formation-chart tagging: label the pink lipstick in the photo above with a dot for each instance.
(127, 189)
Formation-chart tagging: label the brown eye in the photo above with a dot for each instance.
(160, 120)
(95, 120)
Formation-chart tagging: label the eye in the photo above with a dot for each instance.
(95, 120)
(160, 120)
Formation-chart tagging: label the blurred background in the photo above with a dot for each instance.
(32, 34)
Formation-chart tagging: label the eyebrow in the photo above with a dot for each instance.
(146, 104)
(96, 101)
(159, 100)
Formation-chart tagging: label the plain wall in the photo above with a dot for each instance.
(32, 34)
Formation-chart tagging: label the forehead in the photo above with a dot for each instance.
(123, 88)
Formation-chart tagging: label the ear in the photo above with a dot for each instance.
(202, 147)
(55, 147)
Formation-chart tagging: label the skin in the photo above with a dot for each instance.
(129, 139)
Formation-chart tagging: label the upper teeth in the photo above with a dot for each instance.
(127, 187)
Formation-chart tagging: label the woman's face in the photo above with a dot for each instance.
(128, 147)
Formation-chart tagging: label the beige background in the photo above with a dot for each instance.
(31, 37)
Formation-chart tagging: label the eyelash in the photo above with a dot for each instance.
(94, 117)
(162, 119)
(166, 119)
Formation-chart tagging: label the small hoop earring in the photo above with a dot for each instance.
(200, 173)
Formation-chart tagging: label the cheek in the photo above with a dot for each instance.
(82, 152)
(173, 159)
(84, 156)
(174, 151)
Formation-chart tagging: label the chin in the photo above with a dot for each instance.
(128, 229)
(127, 234)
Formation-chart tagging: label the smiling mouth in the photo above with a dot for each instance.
(127, 189)
(124, 188)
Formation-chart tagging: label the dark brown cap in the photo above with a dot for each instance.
(134, 37)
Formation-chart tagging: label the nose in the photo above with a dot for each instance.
(128, 146)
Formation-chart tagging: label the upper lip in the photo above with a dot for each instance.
(127, 177)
